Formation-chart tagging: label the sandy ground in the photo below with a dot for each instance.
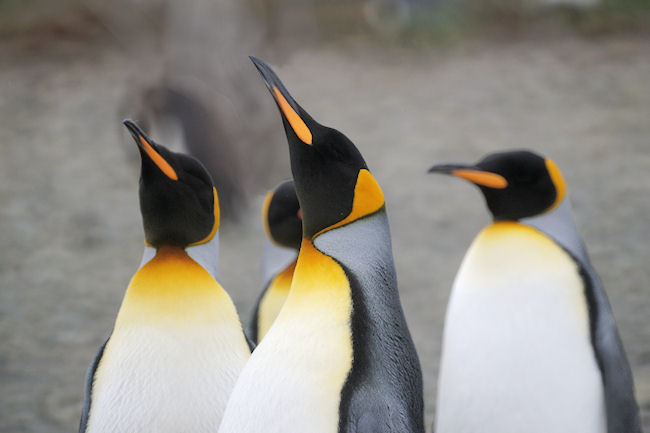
(71, 233)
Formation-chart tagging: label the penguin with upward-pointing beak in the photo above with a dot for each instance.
(282, 221)
(530, 343)
(177, 346)
(339, 356)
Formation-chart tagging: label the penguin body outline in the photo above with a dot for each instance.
(282, 222)
(177, 344)
(621, 406)
(321, 379)
(594, 363)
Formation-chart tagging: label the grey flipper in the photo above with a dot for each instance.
(90, 377)
(383, 391)
(622, 409)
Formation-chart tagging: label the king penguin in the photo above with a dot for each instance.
(530, 343)
(282, 222)
(339, 357)
(177, 346)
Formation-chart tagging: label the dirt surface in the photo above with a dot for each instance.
(71, 230)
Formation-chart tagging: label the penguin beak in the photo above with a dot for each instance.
(473, 174)
(288, 107)
(146, 147)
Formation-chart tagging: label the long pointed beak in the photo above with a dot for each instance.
(145, 146)
(473, 174)
(287, 105)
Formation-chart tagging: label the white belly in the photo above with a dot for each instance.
(517, 355)
(281, 391)
(166, 380)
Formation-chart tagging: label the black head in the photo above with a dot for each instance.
(178, 202)
(327, 168)
(516, 184)
(282, 216)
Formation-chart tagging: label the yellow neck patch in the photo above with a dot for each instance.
(368, 199)
(558, 182)
(171, 289)
(499, 229)
(318, 283)
(273, 300)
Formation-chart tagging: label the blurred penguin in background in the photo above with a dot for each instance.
(188, 125)
(530, 343)
(282, 220)
(198, 99)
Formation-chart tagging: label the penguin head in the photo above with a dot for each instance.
(178, 201)
(282, 216)
(516, 184)
(331, 178)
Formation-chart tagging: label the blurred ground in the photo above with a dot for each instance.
(71, 234)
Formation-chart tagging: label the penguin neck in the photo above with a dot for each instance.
(363, 249)
(206, 255)
(362, 246)
(317, 274)
(559, 225)
(172, 287)
(382, 348)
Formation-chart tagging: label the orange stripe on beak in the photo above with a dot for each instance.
(484, 178)
(297, 124)
(158, 160)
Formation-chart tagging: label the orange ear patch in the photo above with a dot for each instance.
(217, 218)
(265, 213)
(484, 178)
(297, 124)
(368, 199)
(159, 160)
(558, 182)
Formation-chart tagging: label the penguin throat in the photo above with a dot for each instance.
(320, 278)
(171, 288)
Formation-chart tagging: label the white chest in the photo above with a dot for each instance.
(293, 380)
(166, 380)
(517, 354)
